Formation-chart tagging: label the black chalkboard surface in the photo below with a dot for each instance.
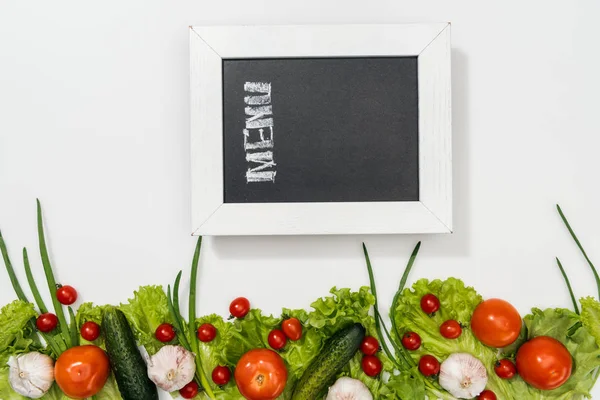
(320, 130)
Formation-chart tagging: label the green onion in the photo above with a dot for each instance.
(176, 295)
(564, 274)
(407, 270)
(562, 215)
(177, 320)
(11, 272)
(73, 328)
(50, 278)
(32, 284)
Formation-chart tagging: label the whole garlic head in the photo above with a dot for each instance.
(463, 375)
(31, 374)
(171, 368)
(349, 389)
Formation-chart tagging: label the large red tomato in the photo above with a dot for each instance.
(496, 323)
(82, 371)
(544, 363)
(261, 375)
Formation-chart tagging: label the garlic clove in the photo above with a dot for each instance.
(349, 389)
(463, 375)
(172, 368)
(31, 374)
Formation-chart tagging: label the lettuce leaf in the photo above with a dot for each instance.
(590, 316)
(13, 319)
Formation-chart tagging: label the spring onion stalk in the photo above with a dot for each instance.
(594, 271)
(11, 272)
(73, 328)
(177, 320)
(564, 274)
(32, 285)
(192, 320)
(403, 280)
(176, 294)
(50, 278)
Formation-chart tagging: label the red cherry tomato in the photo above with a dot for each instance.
(371, 365)
(429, 365)
(46, 322)
(369, 345)
(430, 303)
(277, 339)
(66, 295)
(207, 333)
(292, 328)
(239, 307)
(221, 375)
(450, 329)
(90, 331)
(411, 341)
(544, 363)
(505, 369)
(189, 391)
(165, 333)
(487, 395)
(496, 323)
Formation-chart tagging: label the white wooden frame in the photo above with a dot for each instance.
(431, 214)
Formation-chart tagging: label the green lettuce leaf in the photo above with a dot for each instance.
(590, 316)
(89, 312)
(13, 319)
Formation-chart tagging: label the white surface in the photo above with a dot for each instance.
(431, 214)
(94, 120)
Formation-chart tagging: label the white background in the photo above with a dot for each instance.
(94, 120)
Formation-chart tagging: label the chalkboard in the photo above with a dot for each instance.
(320, 130)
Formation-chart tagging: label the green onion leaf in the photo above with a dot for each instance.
(11, 272)
(564, 274)
(32, 284)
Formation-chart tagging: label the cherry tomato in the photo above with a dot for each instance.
(496, 323)
(221, 375)
(429, 365)
(369, 345)
(411, 341)
(277, 339)
(292, 328)
(505, 369)
(544, 363)
(430, 303)
(207, 333)
(239, 307)
(189, 391)
(450, 329)
(487, 395)
(371, 365)
(165, 333)
(66, 295)
(261, 375)
(90, 331)
(81, 371)
(46, 322)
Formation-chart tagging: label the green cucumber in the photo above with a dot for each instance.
(337, 352)
(127, 363)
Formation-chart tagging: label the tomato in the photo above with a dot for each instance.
(369, 345)
(81, 371)
(239, 307)
(450, 329)
(165, 333)
(46, 322)
(189, 391)
(487, 395)
(66, 295)
(277, 339)
(411, 341)
(261, 375)
(371, 365)
(90, 331)
(505, 369)
(429, 365)
(207, 333)
(496, 323)
(544, 363)
(292, 328)
(430, 303)
(221, 375)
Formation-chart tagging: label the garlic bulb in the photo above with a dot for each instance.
(463, 375)
(349, 389)
(171, 368)
(31, 374)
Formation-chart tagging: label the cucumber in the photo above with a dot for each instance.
(337, 352)
(126, 362)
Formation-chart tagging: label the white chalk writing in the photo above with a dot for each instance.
(258, 134)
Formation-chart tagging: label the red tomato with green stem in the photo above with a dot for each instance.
(277, 339)
(505, 369)
(207, 333)
(46, 322)
(496, 323)
(90, 331)
(429, 365)
(430, 303)
(371, 365)
(66, 295)
(544, 363)
(165, 333)
(189, 391)
(450, 329)
(292, 328)
(369, 345)
(487, 395)
(411, 341)
(239, 307)
(221, 375)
